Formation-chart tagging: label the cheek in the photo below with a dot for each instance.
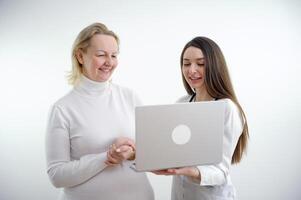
(202, 71)
(97, 62)
(90, 63)
(115, 63)
(185, 73)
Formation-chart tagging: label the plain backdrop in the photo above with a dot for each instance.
(261, 43)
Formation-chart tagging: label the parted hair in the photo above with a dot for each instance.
(82, 42)
(218, 84)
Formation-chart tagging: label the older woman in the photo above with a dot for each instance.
(89, 141)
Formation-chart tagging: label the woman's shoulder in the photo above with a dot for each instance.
(65, 100)
(231, 109)
(230, 105)
(122, 89)
(184, 99)
(126, 93)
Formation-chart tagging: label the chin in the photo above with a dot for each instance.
(103, 77)
(197, 86)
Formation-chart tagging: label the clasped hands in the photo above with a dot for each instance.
(122, 149)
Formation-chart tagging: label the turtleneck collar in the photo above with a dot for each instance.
(89, 87)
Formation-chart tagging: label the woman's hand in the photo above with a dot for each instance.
(192, 172)
(122, 149)
(124, 141)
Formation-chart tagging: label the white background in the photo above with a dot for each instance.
(261, 42)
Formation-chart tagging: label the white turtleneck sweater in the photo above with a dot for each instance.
(80, 129)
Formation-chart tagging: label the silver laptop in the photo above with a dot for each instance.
(177, 135)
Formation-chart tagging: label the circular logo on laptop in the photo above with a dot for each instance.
(181, 134)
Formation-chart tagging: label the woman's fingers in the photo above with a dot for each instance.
(118, 155)
(186, 171)
(124, 141)
(164, 172)
(112, 159)
(109, 163)
(122, 149)
(125, 152)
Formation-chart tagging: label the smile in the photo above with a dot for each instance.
(105, 69)
(195, 78)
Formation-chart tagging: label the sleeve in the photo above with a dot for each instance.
(184, 99)
(217, 174)
(62, 171)
(136, 99)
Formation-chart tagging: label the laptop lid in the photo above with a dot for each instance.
(178, 135)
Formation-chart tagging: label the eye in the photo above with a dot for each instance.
(186, 64)
(114, 56)
(200, 64)
(100, 55)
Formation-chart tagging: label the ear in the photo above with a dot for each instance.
(79, 56)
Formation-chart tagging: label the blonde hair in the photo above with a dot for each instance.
(82, 42)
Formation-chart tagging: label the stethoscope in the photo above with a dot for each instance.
(193, 96)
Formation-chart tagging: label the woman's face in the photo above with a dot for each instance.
(100, 59)
(193, 67)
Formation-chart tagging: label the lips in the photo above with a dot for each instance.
(195, 78)
(106, 70)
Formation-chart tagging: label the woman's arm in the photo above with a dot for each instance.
(216, 174)
(61, 170)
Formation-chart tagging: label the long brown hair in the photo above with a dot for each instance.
(218, 84)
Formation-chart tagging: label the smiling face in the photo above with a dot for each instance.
(193, 68)
(99, 60)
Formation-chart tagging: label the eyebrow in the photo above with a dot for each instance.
(186, 59)
(106, 52)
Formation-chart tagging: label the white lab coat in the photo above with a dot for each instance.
(215, 182)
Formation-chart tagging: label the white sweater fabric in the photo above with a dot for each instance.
(81, 127)
(215, 179)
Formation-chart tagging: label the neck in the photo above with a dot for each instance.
(91, 88)
(202, 95)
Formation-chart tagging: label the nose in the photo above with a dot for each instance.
(193, 68)
(109, 61)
